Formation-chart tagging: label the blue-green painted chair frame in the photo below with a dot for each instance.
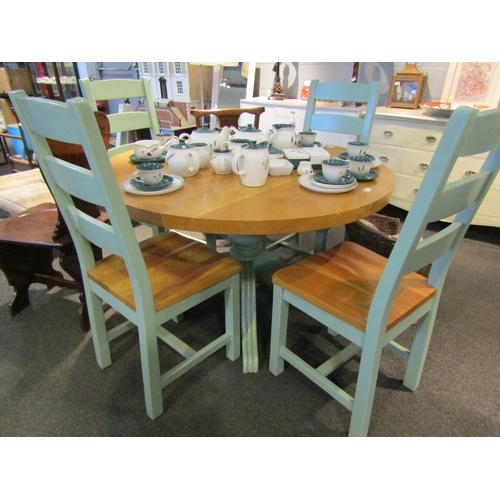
(105, 90)
(74, 122)
(361, 127)
(468, 132)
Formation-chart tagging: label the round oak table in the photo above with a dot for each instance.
(220, 204)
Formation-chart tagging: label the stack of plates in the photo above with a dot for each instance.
(317, 182)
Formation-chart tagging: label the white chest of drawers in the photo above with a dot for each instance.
(405, 140)
(294, 110)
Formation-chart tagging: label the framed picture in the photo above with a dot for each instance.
(405, 91)
(473, 83)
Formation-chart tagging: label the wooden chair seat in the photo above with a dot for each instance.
(192, 267)
(342, 281)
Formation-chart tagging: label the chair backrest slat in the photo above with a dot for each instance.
(362, 93)
(457, 196)
(105, 90)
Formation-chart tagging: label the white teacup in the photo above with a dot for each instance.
(334, 169)
(149, 173)
(357, 148)
(148, 149)
(360, 165)
(307, 138)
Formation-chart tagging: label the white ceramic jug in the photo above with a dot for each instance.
(221, 161)
(283, 135)
(182, 159)
(252, 164)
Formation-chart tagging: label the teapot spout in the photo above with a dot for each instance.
(225, 134)
(268, 135)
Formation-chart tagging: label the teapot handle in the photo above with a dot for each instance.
(234, 164)
(196, 162)
(185, 135)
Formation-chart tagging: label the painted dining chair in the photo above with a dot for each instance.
(359, 126)
(149, 282)
(369, 299)
(121, 122)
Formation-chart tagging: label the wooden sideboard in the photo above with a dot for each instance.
(405, 140)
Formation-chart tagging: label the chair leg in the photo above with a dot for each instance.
(320, 240)
(418, 351)
(99, 332)
(150, 363)
(365, 389)
(278, 331)
(233, 318)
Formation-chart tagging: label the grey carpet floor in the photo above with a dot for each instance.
(50, 384)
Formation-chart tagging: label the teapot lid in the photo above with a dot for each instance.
(205, 130)
(257, 145)
(249, 128)
(182, 145)
(283, 125)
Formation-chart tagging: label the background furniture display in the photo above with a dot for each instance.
(22, 155)
(228, 116)
(148, 284)
(405, 141)
(30, 238)
(294, 111)
(57, 80)
(369, 300)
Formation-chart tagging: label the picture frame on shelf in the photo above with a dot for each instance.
(476, 83)
(406, 91)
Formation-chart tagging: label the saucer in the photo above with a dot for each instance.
(157, 159)
(307, 182)
(177, 183)
(319, 178)
(370, 176)
(138, 184)
(343, 156)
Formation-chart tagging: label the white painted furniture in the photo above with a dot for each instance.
(405, 140)
(294, 110)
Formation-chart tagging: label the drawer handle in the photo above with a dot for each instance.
(430, 138)
(469, 172)
(383, 159)
(423, 166)
(388, 133)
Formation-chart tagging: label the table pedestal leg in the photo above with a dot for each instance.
(246, 249)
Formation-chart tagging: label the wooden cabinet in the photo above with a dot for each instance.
(405, 140)
(294, 110)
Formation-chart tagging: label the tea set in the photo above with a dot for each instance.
(250, 154)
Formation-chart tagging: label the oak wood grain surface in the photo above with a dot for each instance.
(220, 204)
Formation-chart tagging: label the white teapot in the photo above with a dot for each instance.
(211, 137)
(249, 133)
(283, 135)
(182, 159)
(251, 163)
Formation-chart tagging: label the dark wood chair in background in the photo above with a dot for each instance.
(29, 239)
(227, 117)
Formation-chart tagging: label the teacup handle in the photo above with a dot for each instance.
(234, 164)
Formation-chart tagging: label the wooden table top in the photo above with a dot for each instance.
(220, 204)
